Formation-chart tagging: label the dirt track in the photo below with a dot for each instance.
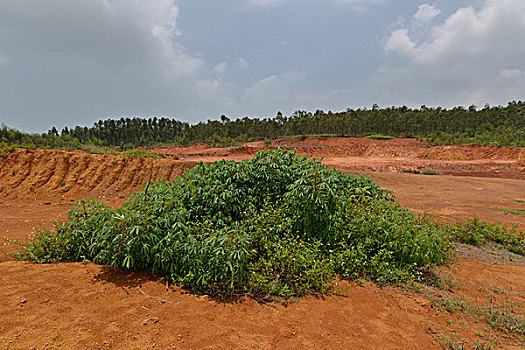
(88, 306)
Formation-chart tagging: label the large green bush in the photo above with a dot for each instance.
(277, 224)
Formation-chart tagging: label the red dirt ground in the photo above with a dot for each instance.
(89, 306)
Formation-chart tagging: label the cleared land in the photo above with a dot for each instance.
(89, 306)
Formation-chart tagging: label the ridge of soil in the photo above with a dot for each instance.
(34, 173)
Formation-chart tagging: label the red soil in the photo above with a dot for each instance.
(89, 306)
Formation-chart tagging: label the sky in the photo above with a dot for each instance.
(73, 62)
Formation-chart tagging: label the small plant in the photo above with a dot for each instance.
(380, 137)
(518, 211)
(141, 153)
(430, 172)
(14, 171)
(478, 233)
(411, 171)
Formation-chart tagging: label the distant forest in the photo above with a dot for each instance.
(499, 125)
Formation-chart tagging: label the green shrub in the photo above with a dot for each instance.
(140, 153)
(411, 171)
(277, 224)
(479, 233)
(430, 172)
(380, 137)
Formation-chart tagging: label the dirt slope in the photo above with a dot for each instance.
(49, 173)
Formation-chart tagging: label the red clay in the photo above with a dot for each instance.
(88, 306)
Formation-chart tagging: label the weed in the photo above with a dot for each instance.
(430, 172)
(14, 171)
(411, 171)
(141, 153)
(452, 305)
(518, 211)
(478, 233)
(380, 137)
(99, 149)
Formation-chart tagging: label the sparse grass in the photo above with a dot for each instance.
(479, 233)
(141, 153)
(430, 172)
(380, 137)
(505, 316)
(423, 172)
(99, 149)
(516, 211)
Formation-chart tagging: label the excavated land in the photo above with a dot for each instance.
(87, 306)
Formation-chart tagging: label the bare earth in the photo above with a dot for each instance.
(87, 306)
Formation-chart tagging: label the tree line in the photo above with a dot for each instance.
(496, 125)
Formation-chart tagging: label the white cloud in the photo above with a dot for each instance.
(220, 68)
(426, 13)
(400, 42)
(243, 63)
(493, 31)
(115, 36)
(473, 56)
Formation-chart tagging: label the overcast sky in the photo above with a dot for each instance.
(72, 62)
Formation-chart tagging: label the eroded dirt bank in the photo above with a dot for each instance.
(54, 174)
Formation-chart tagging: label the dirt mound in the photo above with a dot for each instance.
(27, 173)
